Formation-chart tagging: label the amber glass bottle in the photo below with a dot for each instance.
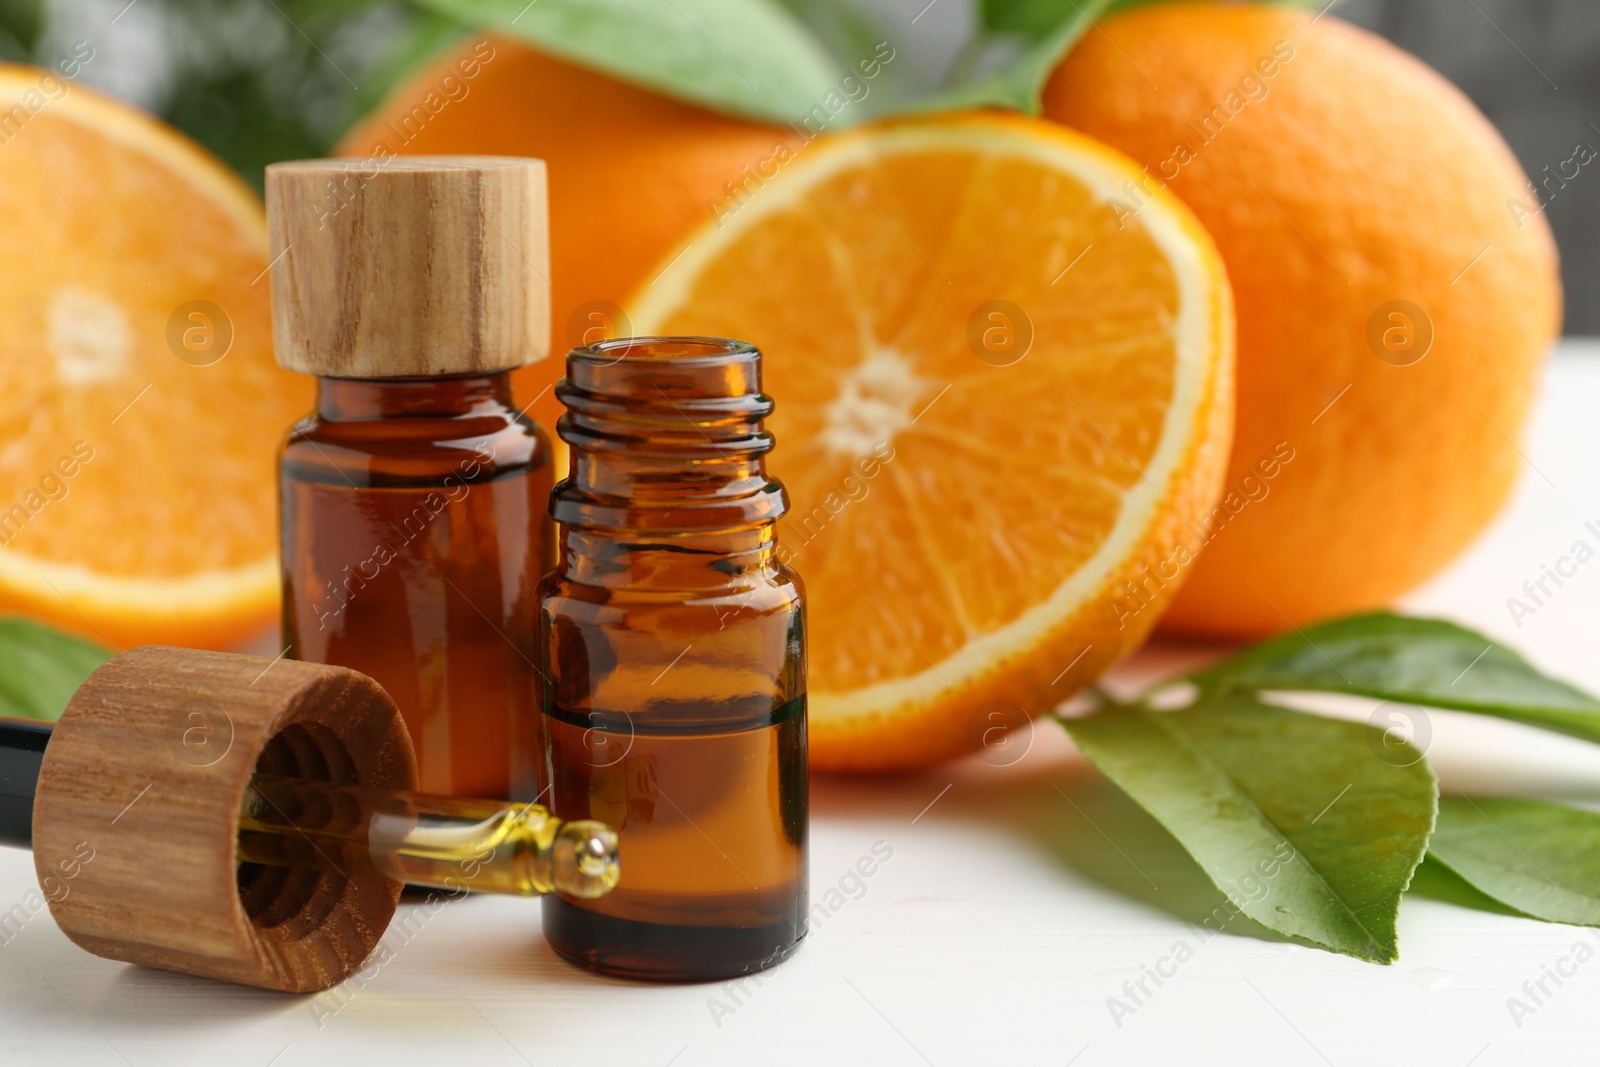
(412, 500)
(673, 649)
(412, 513)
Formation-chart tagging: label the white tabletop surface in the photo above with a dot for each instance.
(995, 933)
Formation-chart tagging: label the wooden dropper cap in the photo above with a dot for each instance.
(136, 814)
(409, 267)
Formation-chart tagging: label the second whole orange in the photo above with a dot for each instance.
(1396, 287)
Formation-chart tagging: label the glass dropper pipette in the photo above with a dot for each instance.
(451, 843)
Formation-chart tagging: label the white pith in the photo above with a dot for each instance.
(877, 399)
(89, 338)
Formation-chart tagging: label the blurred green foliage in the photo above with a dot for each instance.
(253, 80)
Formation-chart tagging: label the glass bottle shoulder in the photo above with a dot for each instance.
(478, 446)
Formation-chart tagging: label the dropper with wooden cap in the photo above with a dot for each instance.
(412, 499)
(253, 819)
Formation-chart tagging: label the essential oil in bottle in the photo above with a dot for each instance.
(412, 499)
(673, 648)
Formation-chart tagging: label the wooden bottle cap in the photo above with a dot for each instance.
(408, 267)
(137, 813)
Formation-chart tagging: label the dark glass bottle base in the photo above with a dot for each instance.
(656, 952)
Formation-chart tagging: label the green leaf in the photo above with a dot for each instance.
(1293, 816)
(1438, 882)
(864, 39)
(1017, 46)
(748, 57)
(1009, 58)
(40, 668)
(1410, 661)
(1540, 858)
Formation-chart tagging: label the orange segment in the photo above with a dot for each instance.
(969, 519)
(139, 401)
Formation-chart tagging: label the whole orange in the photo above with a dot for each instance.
(1396, 286)
(630, 172)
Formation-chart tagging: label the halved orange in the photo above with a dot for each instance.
(140, 407)
(1003, 378)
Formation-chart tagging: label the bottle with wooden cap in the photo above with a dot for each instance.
(412, 499)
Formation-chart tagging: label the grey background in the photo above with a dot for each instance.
(1533, 66)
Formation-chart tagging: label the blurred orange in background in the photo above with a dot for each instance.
(631, 172)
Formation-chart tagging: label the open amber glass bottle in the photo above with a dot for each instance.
(673, 649)
(413, 497)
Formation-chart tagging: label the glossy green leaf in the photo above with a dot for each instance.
(1013, 52)
(1411, 661)
(1295, 817)
(40, 668)
(748, 57)
(1540, 858)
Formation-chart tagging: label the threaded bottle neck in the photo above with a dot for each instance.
(667, 438)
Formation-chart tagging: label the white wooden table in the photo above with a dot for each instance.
(996, 932)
